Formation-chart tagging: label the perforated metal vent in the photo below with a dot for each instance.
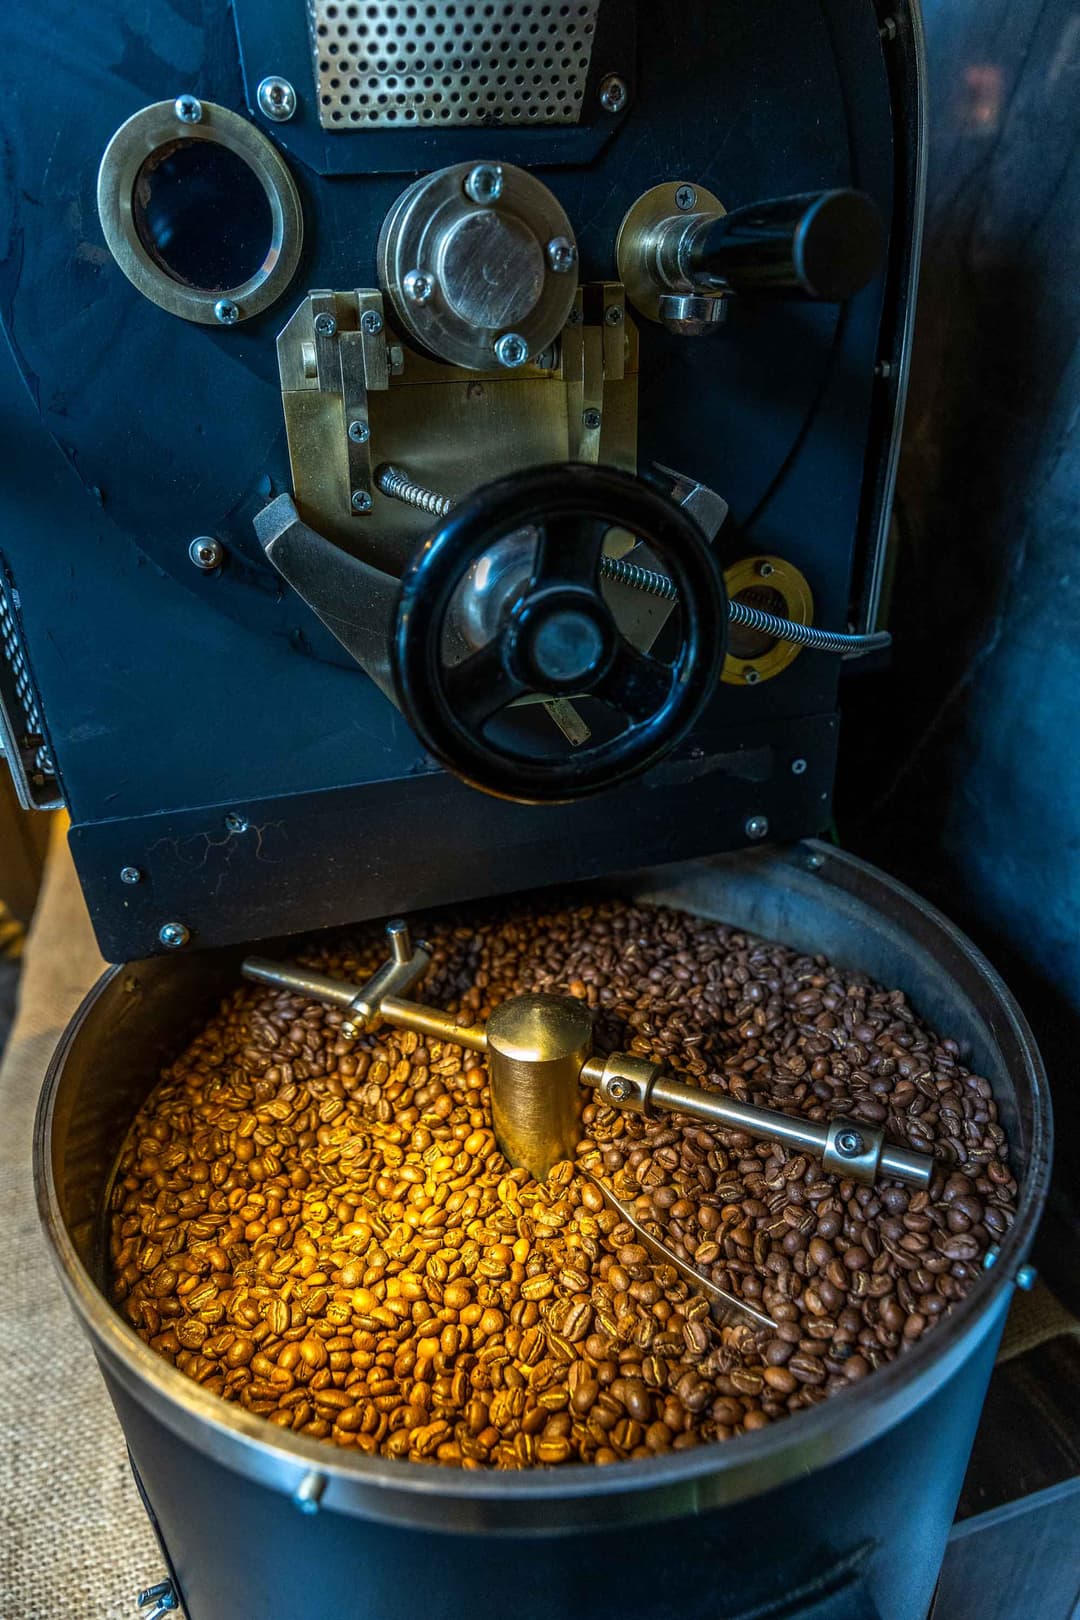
(381, 65)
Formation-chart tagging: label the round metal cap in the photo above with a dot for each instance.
(484, 266)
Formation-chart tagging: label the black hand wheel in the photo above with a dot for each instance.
(559, 638)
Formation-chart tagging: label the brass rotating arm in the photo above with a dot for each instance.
(540, 1047)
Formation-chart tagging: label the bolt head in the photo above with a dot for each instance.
(325, 325)
(359, 432)
(371, 322)
(361, 500)
(685, 198)
(236, 823)
(188, 109)
(173, 935)
(798, 767)
(130, 874)
(206, 552)
(511, 350)
(849, 1143)
(613, 315)
(613, 93)
(484, 184)
(418, 286)
(561, 254)
(226, 312)
(757, 827)
(277, 99)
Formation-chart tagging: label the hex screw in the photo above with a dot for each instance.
(130, 874)
(325, 325)
(511, 350)
(613, 315)
(277, 99)
(308, 1493)
(685, 198)
(561, 254)
(751, 675)
(613, 93)
(226, 312)
(206, 552)
(236, 823)
(483, 185)
(361, 500)
(173, 935)
(359, 432)
(765, 569)
(756, 827)
(418, 286)
(371, 322)
(849, 1143)
(591, 419)
(188, 109)
(798, 767)
(618, 1090)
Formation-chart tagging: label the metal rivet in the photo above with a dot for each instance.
(188, 109)
(618, 1090)
(751, 675)
(173, 934)
(483, 185)
(236, 823)
(130, 874)
(613, 315)
(613, 93)
(685, 198)
(798, 767)
(756, 827)
(226, 312)
(849, 1143)
(371, 322)
(591, 419)
(361, 500)
(325, 325)
(1026, 1278)
(359, 432)
(277, 99)
(561, 254)
(206, 552)
(308, 1493)
(418, 286)
(814, 861)
(511, 350)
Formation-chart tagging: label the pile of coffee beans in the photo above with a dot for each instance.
(324, 1230)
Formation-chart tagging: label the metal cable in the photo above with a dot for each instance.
(394, 483)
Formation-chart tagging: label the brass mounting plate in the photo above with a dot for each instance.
(635, 245)
(767, 574)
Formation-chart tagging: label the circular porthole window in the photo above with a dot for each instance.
(200, 211)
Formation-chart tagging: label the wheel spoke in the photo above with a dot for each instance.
(479, 687)
(635, 683)
(570, 548)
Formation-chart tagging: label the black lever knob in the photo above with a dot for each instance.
(824, 245)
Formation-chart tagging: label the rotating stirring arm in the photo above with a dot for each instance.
(540, 1049)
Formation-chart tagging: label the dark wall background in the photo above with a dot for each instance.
(961, 762)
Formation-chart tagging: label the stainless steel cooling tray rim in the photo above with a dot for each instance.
(582, 1498)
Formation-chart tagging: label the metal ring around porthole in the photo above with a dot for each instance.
(152, 137)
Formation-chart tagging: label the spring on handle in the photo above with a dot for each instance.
(394, 483)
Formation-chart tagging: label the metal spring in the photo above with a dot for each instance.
(394, 483)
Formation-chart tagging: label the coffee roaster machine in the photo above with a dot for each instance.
(450, 451)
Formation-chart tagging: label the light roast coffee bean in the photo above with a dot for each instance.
(324, 1230)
